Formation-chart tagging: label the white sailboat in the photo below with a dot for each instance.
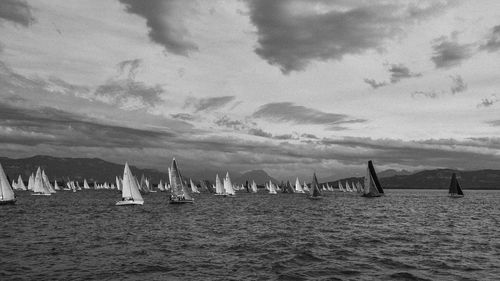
(194, 188)
(20, 184)
(178, 193)
(372, 184)
(305, 187)
(341, 187)
(219, 188)
(272, 188)
(254, 187)
(6, 193)
(39, 188)
(161, 187)
(56, 186)
(47, 183)
(85, 184)
(31, 182)
(130, 191)
(228, 186)
(298, 187)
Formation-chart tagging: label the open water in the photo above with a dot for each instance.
(406, 235)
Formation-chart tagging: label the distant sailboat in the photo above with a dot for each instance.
(228, 185)
(372, 184)
(455, 189)
(20, 184)
(194, 188)
(85, 184)
(305, 187)
(219, 188)
(341, 187)
(254, 187)
(314, 192)
(178, 193)
(130, 191)
(298, 187)
(39, 188)
(6, 193)
(31, 182)
(56, 186)
(272, 188)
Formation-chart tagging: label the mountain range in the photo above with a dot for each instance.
(98, 170)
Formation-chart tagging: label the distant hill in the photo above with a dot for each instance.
(437, 179)
(392, 172)
(92, 169)
(259, 176)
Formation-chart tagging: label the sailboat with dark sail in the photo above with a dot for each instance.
(455, 189)
(314, 192)
(178, 192)
(373, 188)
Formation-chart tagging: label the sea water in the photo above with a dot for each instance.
(405, 235)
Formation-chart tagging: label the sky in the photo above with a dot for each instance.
(291, 87)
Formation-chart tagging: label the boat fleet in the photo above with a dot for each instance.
(181, 190)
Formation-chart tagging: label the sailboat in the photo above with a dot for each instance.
(56, 187)
(372, 184)
(228, 186)
(455, 189)
(298, 187)
(178, 192)
(254, 187)
(39, 188)
(6, 193)
(314, 193)
(194, 188)
(341, 188)
(20, 184)
(85, 184)
(130, 190)
(272, 188)
(31, 182)
(219, 188)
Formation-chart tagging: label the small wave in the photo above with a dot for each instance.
(407, 277)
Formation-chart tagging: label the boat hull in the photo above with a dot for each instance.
(41, 194)
(371, 195)
(456, 196)
(221, 195)
(8, 202)
(129, 203)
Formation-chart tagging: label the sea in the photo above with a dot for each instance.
(405, 235)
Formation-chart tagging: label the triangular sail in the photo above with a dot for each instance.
(20, 183)
(38, 186)
(178, 188)
(6, 192)
(455, 188)
(314, 190)
(194, 188)
(254, 187)
(372, 184)
(130, 188)
(85, 184)
(56, 187)
(228, 186)
(31, 182)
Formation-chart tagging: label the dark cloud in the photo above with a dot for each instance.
(260, 133)
(458, 84)
(130, 67)
(45, 125)
(399, 71)
(293, 33)
(449, 53)
(208, 104)
(375, 84)
(285, 137)
(487, 102)
(165, 19)
(183, 116)
(309, 136)
(16, 11)
(227, 122)
(121, 91)
(493, 41)
(288, 112)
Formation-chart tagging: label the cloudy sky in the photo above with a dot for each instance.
(290, 87)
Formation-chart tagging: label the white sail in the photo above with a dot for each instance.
(130, 190)
(169, 176)
(194, 188)
(228, 186)
(272, 188)
(6, 192)
(31, 182)
(178, 191)
(85, 184)
(47, 183)
(56, 187)
(38, 186)
(254, 187)
(305, 187)
(161, 187)
(219, 188)
(298, 187)
(20, 183)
